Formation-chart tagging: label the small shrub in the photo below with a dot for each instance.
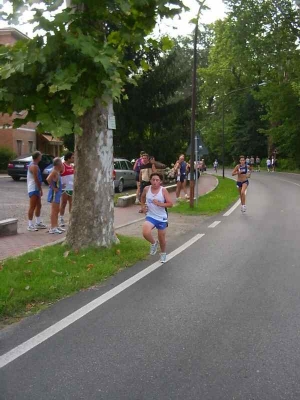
(6, 155)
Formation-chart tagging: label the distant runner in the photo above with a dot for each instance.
(216, 166)
(257, 162)
(155, 199)
(243, 172)
(35, 192)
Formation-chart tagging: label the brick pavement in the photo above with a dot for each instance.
(24, 241)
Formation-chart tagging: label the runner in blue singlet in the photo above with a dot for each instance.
(243, 172)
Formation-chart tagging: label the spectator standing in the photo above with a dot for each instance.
(181, 177)
(146, 169)
(35, 192)
(54, 195)
(137, 168)
(67, 180)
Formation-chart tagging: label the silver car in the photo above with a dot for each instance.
(124, 175)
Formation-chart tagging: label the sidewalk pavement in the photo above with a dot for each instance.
(11, 246)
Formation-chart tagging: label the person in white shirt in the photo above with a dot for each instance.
(155, 200)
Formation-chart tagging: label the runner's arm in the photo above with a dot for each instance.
(53, 176)
(168, 201)
(235, 171)
(143, 198)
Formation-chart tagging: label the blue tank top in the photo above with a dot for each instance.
(57, 184)
(183, 168)
(243, 169)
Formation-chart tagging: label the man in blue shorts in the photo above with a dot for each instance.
(155, 201)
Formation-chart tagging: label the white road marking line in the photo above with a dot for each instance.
(70, 319)
(214, 224)
(232, 208)
(293, 183)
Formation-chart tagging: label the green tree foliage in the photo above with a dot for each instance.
(257, 42)
(67, 78)
(80, 57)
(156, 116)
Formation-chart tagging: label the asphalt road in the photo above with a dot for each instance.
(220, 320)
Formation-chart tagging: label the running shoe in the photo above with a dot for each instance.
(61, 229)
(40, 225)
(32, 228)
(163, 257)
(61, 222)
(54, 231)
(153, 248)
(244, 209)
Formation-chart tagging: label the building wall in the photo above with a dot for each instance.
(7, 39)
(21, 140)
(6, 138)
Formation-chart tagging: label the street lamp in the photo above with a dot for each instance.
(223, 119)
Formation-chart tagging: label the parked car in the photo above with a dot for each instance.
(123, 174)
(17, 168)
(48, 169)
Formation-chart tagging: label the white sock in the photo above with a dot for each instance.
(38, 219)
(30, 223)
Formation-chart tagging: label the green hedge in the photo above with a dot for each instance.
(5, 156)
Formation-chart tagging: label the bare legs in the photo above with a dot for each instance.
(54, 215)
(35, 206)
(242, 192)
(147, 233)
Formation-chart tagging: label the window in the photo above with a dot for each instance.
(19, 147)
(30, 146)
(117, 165)
(123, 165)
(129, 165)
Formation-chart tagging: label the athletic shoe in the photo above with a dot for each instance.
(61, 222)
(163, 257)
(32, 228)
(54, 231)
(243, 209)
(40, 225)
(61, 229)
(137, 202)
(153, 248)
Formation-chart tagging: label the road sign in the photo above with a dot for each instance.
(200, 148)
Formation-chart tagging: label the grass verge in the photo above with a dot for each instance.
(37, 279)
(212, 203)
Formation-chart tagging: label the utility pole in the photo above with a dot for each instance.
(194, 103)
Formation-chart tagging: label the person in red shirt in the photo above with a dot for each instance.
(67, 179)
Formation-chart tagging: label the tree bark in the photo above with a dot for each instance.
(92, 217)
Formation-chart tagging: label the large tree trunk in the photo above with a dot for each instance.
(92, 217)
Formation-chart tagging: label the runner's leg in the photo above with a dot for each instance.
(147, 232)
(162, 239)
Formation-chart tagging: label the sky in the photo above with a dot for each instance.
(171, 27)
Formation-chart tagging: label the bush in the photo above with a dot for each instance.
(287, 164)
(6, 155)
